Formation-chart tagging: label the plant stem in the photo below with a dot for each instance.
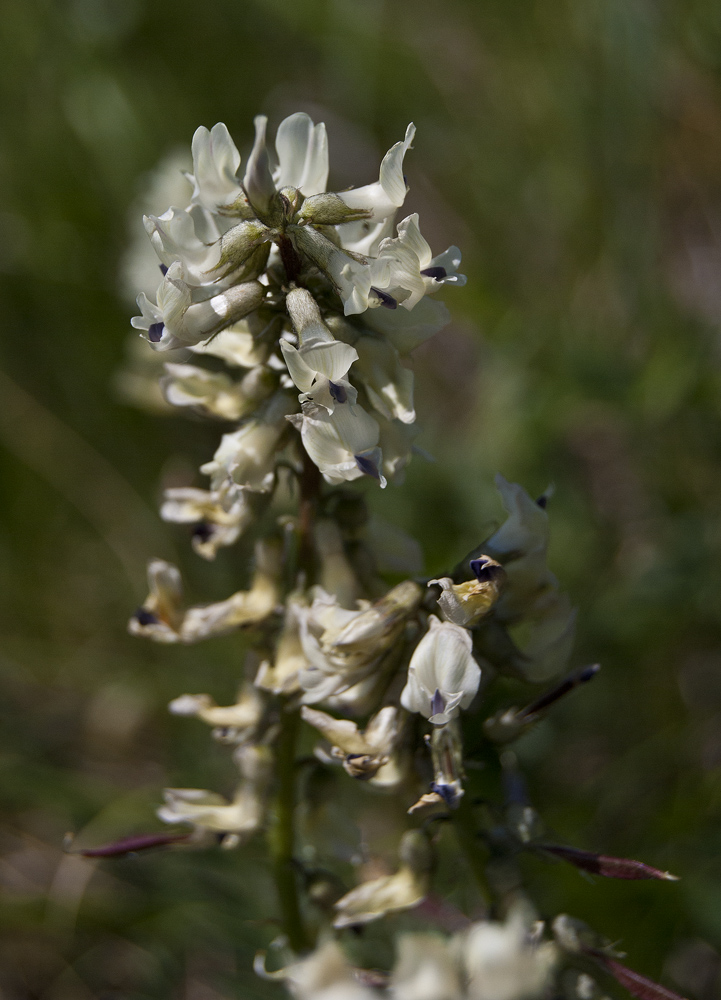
(281, 835)
(465, 827)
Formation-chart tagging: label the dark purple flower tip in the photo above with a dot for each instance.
(436, 272)
(568, 684)
(155, 332)
(163, 269)
(367, 466)
(447, 792)
(485, 569)
(386, 300)
(438, 703)
(203, 531)
(636, 984)
(130, 845)
(606, 865)
(145, 617)
(338, 392)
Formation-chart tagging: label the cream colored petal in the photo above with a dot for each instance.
(373, 900)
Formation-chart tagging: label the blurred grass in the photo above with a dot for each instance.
(573, 151)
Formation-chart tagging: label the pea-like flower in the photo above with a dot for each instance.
(218, 518)
(184, 316)
(236, 723)
(443, 677)
(164, 618)
(363, 753)
(343, 444)
(467, 603)
(343, 647)
(246, 458)
(390, 893)
(209, 812)
(319, 365)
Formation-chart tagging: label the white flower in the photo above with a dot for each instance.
(389, 385)
(505, 962)
(216, 162)
(164, 618)
(175, 237)
(426, 968)
(413, 269)
(302, 149)
(382, 199)
(343, 444)
(247, 456)
(324, 975)
(320, 364)
(238, 344)
(210, 811)
(390, 893)
(182, 319)
(352, 276)
(207, 811)
(343, 647)
(214, 393)
(443, 677)
(489, 961)
(237, 723)
(283, 676)
(219, 519)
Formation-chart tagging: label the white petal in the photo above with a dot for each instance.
(389, 192)
(215, 166)
(302, 149)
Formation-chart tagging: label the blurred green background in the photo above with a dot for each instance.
(573, 151)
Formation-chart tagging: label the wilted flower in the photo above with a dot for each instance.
(443, 677)
(235, 723)
(466, 604)
(344, 647)
(164, 619)
(207, 811)
(363, 753)
(447, 757)
(390, 893)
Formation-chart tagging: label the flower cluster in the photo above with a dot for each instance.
(486, 961)
(301, 289)
(286, 310)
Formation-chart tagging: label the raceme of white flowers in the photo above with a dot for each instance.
(285, 312)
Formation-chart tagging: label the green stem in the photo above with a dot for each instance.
(465, 826)
(281, 835)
